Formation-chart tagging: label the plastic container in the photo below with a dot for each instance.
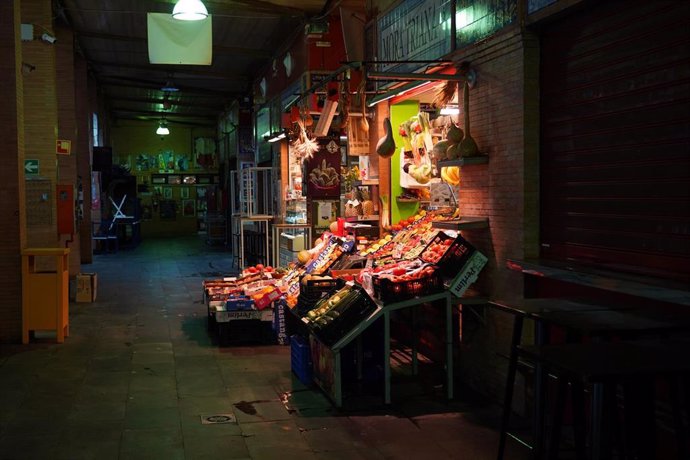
(388, 291)
(300, 359)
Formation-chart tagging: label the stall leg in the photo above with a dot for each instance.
(415, 340)
(387, 357)
(338, 381)
(449, 346)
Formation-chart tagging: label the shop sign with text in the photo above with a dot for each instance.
(415, 30)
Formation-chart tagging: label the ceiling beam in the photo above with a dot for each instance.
(226, 50)
(172, 122)
(165, 113)
(171, 69)
(124, 82)
(185, 103)
(221, 8)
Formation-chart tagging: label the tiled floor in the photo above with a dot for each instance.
(139, 370)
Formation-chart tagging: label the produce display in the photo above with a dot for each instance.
(410, 261)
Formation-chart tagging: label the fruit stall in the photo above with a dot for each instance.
(341, 287)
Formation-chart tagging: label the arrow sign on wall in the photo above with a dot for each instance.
(31, 167)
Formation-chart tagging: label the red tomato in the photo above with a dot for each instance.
(259, 266)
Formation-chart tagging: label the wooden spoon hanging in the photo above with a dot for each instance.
(468, 147)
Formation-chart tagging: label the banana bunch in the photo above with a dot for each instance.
(451, 175)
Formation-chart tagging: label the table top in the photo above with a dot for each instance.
(530, 307)
(602, 361)
(635, 285)
(595, 322)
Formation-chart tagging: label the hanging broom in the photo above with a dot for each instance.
(445, 94)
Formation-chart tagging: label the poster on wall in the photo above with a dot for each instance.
(322, 170)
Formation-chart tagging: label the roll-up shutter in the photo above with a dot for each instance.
(615, 142)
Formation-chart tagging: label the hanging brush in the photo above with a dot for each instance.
(445, 94)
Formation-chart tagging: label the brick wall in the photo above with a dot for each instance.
(40, 114)
(504, 117)
(67, 130)
(12, 226)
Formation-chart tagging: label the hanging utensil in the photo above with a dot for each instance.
(468, 147)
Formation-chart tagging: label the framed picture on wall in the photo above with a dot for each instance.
(167, 193)
(188, 208)
(156, 179)
(167, 209)
(184, 192)
(175, 180)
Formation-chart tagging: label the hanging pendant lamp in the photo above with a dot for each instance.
(163, 128)
(189, 10)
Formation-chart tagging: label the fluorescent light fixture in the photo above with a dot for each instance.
(170, 87)
(163, 128)
(189, 10)
(396, 92)
(275, 137)
(450, 109)
(48, 38)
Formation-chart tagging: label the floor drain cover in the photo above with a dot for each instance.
(218, 418)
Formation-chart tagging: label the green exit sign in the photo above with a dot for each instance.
(31, 167)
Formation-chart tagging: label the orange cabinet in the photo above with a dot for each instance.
(45, 295)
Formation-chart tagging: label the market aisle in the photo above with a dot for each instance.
(139, 371)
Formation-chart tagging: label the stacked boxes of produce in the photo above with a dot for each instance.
(247, 296)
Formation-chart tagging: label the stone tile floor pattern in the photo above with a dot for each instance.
(140, 369)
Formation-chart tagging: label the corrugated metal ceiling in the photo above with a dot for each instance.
(111, 34)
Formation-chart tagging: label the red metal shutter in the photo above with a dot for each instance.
(615, 141)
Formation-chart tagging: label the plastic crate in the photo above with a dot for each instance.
(313, 291)
(352, 309)
(455, 256)
(300, 359)
(388, 291)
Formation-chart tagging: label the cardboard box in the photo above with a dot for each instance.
(86, 287)
(296, 244)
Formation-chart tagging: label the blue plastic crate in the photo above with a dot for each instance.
(300, 359)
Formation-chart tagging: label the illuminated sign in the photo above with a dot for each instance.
(413, 31)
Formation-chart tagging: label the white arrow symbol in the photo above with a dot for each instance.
(30, 167)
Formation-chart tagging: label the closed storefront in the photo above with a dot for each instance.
(615, 137)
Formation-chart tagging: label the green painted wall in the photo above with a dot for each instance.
(399, 113)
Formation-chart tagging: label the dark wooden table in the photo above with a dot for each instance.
(634, 365)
